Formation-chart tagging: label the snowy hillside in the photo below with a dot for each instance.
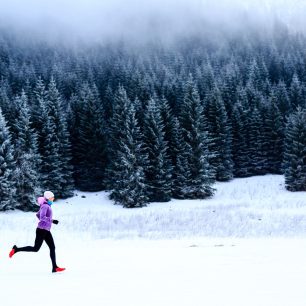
(257, 206)
(251, 207)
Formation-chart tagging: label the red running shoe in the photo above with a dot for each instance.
(59, 269)
(13, 251)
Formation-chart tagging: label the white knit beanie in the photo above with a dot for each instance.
(48, 195)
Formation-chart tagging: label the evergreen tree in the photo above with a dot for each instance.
(209, 78)
(255, 77)
(296, 93)
(7, 166)
(167, 116)
(89, 140)
(127, 178)
(280, 97)
(58, 120)
(220, 133)
(107, 102)
(167, 119)
(229, 88)
(158, 170)
(240, 141)
(253, 96)
(115, 132)
(274, 137)
(181, 175)
(258, 158)
(258, 76)
(196, 138)
(39, 99)
(9, 110)
(27, 159)
(50, 169)
(295, 151)
(46, 123)
(140, 108)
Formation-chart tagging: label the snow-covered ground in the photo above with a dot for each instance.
(188, 272)
(244, 247)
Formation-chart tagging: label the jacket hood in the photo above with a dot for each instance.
(41, 201)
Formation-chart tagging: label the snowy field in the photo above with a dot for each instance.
(244, 247)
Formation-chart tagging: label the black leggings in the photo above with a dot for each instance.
(41, 236)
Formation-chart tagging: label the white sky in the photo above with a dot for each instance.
(96, 19)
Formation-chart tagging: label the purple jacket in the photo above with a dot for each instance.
(44, 214)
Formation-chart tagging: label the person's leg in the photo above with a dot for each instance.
(40, 236)
(50, 242)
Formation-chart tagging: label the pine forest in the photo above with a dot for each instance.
(151, 122)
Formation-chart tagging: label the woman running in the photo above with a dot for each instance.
(43, 230)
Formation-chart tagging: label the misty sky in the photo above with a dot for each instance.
(100, 19)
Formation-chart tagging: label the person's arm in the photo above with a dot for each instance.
(43, 214)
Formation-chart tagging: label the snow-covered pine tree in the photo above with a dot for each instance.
(240, 141)
(220, 133)
(58, 120)
(6, 104)
(229, 87)
(48, 142)
(128, 159)
(208, 77)
(296, 92)
(7, 167)
(168, 88)
(27, 176)
(257, 156)
(254, 78)
(115, 132)
(253, 96)
(197, 140)
(73, 122)
(167, 119)
(39, 98)
(294, 164)
(101, 134)
(140, 110)
(258, 75)
(280, 97)
(158, 169)
(181, 175)
(89, 140)
(273, 137)
(107, 102)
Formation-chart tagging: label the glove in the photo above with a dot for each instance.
(55, 221)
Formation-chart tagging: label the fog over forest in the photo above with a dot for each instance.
(142, 21)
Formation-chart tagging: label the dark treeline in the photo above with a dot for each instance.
(153, 122)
